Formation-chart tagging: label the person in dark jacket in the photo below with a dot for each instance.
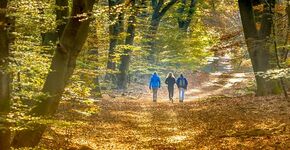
(182, 86)
(154, 85)
(170, 81)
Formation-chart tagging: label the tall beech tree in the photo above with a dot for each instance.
(62, 67)
(285, 50)
(4, 54)
(4, 77)
(62, 12)
(116, 27)
(259, 43)
(159, 10)
(94, 56)
(185, 12)
(125, 57)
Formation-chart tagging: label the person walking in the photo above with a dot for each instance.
(154, 85)
(170, 81)
(182, 86)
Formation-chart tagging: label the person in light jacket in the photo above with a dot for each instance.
(182, 86)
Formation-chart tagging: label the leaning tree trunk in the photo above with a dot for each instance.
(185, 14)
(258, 43)
(62, 12)
(125, 58)
(62, 67)
(159, 10)
(4, 78)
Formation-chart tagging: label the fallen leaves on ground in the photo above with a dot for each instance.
(206, 120)
(213, 123)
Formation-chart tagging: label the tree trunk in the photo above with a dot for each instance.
(125, 58)
(97, 88)
(258, 43)
(115, 28)
(285, 50)
(159, 10)
(153, 28)
(62, 12)
(96, 91)
(4, 53)
(62, 67)
(5, 133)
(185, 15)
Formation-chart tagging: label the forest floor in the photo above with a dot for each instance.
(215, 115)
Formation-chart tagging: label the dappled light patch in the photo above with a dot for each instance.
(176, 139)
(239, 124)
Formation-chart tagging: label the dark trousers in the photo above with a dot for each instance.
(170, 91)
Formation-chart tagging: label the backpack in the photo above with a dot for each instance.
(182, 82)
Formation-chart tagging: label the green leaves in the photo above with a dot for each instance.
(188, 50)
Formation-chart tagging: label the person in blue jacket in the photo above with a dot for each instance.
(154, 85)
(182, 86)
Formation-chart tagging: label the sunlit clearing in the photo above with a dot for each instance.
(194, 91)
(239, 75)
(176, 139)
(237, 78)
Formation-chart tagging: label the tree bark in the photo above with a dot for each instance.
(97, 88)
(62, 67)
(115, 28)
(159, 10)
(286, 50)
(282, 82)
(4, 54)
(62, 12)
(96, 91)
(185, 15)
(152, 43)
(125, 58)
(258, 43)
(5, 133)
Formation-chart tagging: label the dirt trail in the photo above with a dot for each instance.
(206, 85)
(198, 123)
(229, 123)
(220, 84)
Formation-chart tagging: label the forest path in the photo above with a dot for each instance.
(198, 123)
(220, 84)
(206, 85)
(217, 123)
